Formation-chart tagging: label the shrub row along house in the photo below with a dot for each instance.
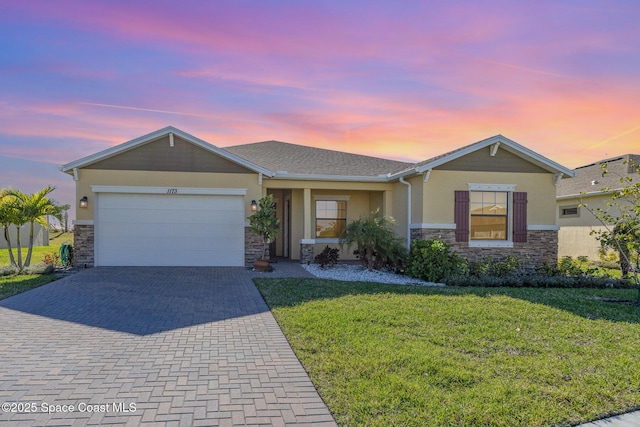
(169, 198)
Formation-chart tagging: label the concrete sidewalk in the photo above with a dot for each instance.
(631, 419)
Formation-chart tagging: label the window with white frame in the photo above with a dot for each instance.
(489, 215)
(331, 218)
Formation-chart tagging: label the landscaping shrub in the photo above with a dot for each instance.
(377, 247)
(328, 257)
(51, 258)
(567, 273)
(490, 267)
(434, 261)
(395, 258)
(537, 280)
(40, 268)
(8, 270)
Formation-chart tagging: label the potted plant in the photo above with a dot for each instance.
(265, 224)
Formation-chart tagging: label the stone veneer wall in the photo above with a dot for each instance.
(541, 246)
(83, 237)
(306, 253)
(252, 247)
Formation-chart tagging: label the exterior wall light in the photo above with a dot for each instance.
(84, 202)
(254, 206)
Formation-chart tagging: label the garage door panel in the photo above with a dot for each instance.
(185, 258)
(159, 201)
(152, 229)
(157, 244)
(172, 216)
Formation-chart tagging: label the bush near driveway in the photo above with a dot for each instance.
(402, 355)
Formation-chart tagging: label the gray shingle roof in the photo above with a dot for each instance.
(590, 178)
(300, 159)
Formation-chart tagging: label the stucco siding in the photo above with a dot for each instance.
(577, 241)
(574, 237)
(585, 217)
(89, 177)
(359, 203)
(438, 194)
(400, 209)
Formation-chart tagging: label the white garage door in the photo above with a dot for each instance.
(169, 230)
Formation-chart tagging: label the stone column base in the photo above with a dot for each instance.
(306, 253)
(83, 255)
(253, 246)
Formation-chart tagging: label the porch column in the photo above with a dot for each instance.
(306, 244)
(307, 213)
(387, 203)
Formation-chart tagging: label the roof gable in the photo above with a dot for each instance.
(492, 146)
(165, 155)
(483, 161)
(167, 149)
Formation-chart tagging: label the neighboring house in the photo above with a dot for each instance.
(40, 236)
(169, 198)
(586, 188)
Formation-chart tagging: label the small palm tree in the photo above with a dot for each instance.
(32, 208)
(8, 216)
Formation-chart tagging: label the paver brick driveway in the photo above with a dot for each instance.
(156, 346)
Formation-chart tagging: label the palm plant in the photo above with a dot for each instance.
(32, 208)
(375, 242)
(8, 216)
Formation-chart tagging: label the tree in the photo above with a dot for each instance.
(376, 243)
(8, 216)
(264, 222)
(621, 220)
(32, 208)
(64, 215)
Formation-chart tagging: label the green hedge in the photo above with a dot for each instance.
(538, 280)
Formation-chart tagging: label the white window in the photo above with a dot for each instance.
(331, 218)
(489, 215)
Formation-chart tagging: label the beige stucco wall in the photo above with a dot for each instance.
(359, 203)
(89, 177)
(438, 194)
(584, 218)
(574, 238)
(400, 208)
(576, 241)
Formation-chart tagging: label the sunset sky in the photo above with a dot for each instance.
(398, 79)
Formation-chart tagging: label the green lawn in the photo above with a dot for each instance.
(13, 285)
(39, 252)
(395, 355)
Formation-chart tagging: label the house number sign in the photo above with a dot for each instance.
(172, 191)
